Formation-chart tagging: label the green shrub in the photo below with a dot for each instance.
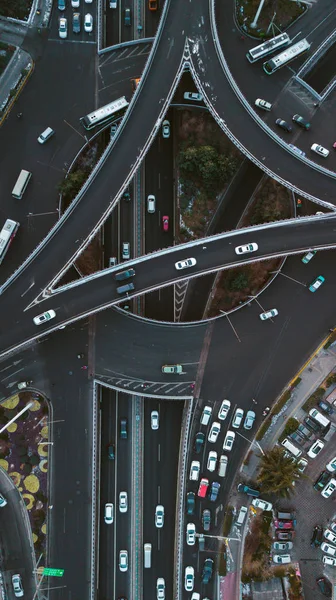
(291, 426)
(222, 570)
(296, 382)
(331, 340)
(227, 521)
(313, 399)
(331, 380)
(262, 430)
(281, 402)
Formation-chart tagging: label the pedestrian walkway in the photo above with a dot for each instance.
(312, 375)
(12, 75)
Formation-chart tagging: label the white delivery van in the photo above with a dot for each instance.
(147, 556)
(223, 461)
(319, 418)
(241, 516)
(291, 448)
(206, 414)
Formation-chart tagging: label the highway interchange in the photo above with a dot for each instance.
(127, 353)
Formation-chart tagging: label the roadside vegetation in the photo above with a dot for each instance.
(277, 473)
(279, 12)
(16, 9)
(206, 162)
(257, 549)
(6, 53)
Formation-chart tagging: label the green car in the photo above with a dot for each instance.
(307, 257)
(316, 283)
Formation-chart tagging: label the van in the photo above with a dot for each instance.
(223, 461)
(45, 135)
(206, 414)
(124, 289)
(291, 448)
(127, 17)
(147, 556)
(241, 516)
(151, 204)
(124, 275)
(112, 261)
(319, 418)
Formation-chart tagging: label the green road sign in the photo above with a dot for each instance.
(53, 572)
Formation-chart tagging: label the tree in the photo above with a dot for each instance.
(278, 473)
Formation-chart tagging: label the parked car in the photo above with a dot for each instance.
(76, 27)
(194, 470)
(328, 549)
(322, 481)
(282, 545)
(329, 488)
(190, 503)
(329, 561)
(325, 406)
(238, 418)
(316, 283)
(165, 129)
(320, 150)
(246, 248)
(284, 535)
(224, 410)
(212, 460)
(88, 23)
(307, 433)
(206, 519)
(330, 536)
(302, 465)
(263, 104)
(189, 579)
(317, 537)
(284, 125)
(193, 96)
(315, 449)
(63, 28)
(17, 585)
(229, 441)
(331, 466)
(301, 121)
(282, 559)
(249, 419)
(283, 524)
(298, 439)
(203, 487)
(191, 531)
(262, 504)
(214, 432)
(245, 489)
(312, 424)
(207, 570)
(199, 442)
(215, 487)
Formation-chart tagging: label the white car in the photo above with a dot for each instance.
(315, 449)
(123, 560)
(185, 264)
(191, 531)
(302, 464)
(88, 1)
(17, 585)
(123, 502)
(330, 562)
(249, 419)
(108, 515)
(329, 488)
(212, 460)
(263, 104)
(194, 470)
(189, 578)
(159, 516)
(154, 419)
(165, 129)
(238, 417)
(88, 23)
(331, 466)
(262, 504)
(246, 248)
(224, 409)
(282, 545)
(269, 314)
(75, 3)
(3, 501)
(63, 28)
(160, 588)
(328, 549)
(214, 432)
(229, 440)
(46, 316)
(281, 559)
(320, 150)
(195, 97)
(330, 536)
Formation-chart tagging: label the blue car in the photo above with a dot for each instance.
(316, 283)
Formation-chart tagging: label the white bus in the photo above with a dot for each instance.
(282, 59)
(7, 234)
(106, 113)
(277, 42)
(21, 184)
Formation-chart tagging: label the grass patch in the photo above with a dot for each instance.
(296, 382)
(275, 410)
(222, 568)
(227, 523)
(17, 9)
(331, 380)
(282, 13)
(313, 399)
(257, 548)
(331, 340)
(291, 426)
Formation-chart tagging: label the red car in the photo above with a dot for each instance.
(284, 524)
(203, 486)
(165, 223)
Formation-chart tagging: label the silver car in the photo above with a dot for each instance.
(249, 419)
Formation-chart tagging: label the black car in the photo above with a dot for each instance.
(296, 437)
(123, 429)
(190, 503)
(215, 487)
(284, 125)
(207, 570)
(301, 121)
(324, 586)
(245, 489)
(322, 481)
(302, 430)
(311, 424)
(199, 442)
(206, 519)
(317, 537)
(76, 22)
(110, 451)
(326, 407)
